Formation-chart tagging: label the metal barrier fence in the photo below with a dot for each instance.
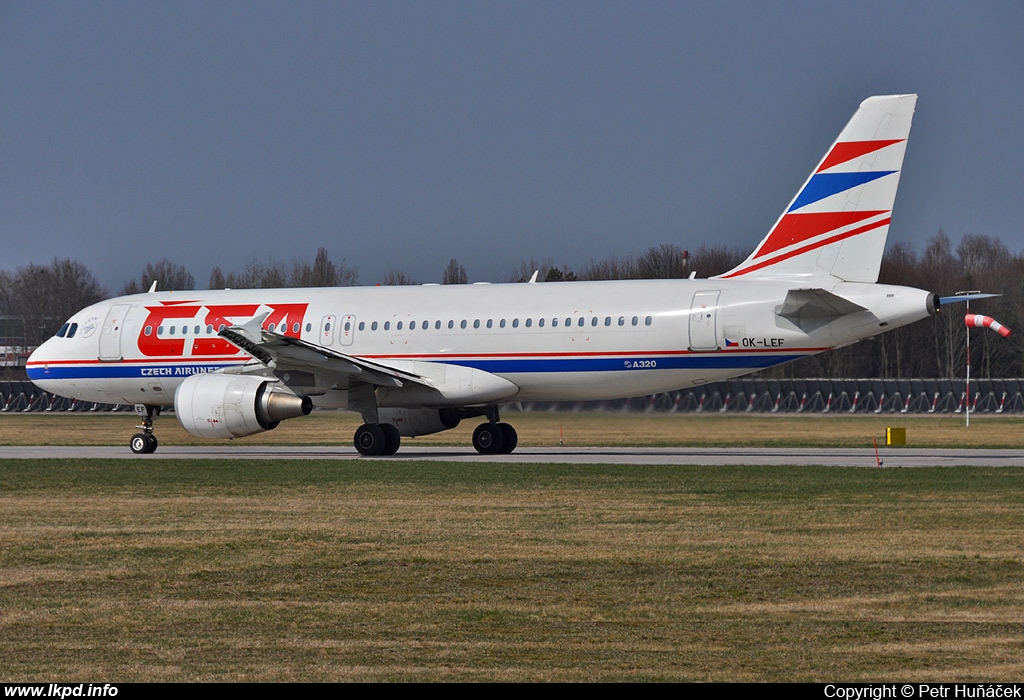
(733, 396)
(824, 396)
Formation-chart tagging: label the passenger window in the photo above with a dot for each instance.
(568, 321)
(197, 329)
(295, 327)
(648, 321)
(501, 323)
(309, 327)
(437, 325)
(398, 326)
(636, 320)
(622, 320)
(148, 331)
(476, 323)
(580, 324)
(327, 327)
(540, 322)
(271, 327)
(554, 323)
(451, 324)
(170, 332)
(490, 323)
(412, 325)
(593, 321)
(387, 325)
(373, 326)
(607, 320)
(515, 323)
(463, 324)
(529, 322)
(362, 325)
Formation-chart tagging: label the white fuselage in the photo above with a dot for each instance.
(554, 341)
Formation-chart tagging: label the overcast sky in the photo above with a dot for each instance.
(401, 134)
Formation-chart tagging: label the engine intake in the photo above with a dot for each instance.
(229, 406)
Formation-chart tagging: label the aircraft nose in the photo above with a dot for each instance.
(40, 356)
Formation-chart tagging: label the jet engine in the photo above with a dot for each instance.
(232, 405)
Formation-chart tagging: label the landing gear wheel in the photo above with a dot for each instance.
(370, 439)
(488, 439)
(143, 443)
(509, 438)
(392, 439)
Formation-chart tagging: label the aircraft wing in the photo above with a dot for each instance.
(288, 352)
(396, 383)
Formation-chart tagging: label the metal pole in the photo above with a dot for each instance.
(967, 384)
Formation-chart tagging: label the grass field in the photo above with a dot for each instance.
(385, 571)
(539, 429)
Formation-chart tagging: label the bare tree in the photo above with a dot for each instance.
(711, 260)
(167, 275)
(323, 272)
(455, 273)
(42, 297)
(393, 278)
(217, 280)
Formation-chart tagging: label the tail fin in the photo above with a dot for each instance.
(837, 224)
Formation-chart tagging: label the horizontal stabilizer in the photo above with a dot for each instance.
(965, 297)
(816, 305)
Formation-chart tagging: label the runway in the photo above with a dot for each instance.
(707, 457)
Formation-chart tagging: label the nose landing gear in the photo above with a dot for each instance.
(145, 443)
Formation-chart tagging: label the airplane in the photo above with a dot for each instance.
(418, 360)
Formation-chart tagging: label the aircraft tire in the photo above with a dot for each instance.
(488, 439)
(392, 439)
(139, 443)
(509, 438)
(143, 443)
(370, 440)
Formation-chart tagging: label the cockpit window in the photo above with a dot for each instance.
(67, 330)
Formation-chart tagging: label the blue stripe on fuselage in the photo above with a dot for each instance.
(515, 365)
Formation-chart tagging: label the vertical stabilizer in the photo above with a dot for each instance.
(837, 224)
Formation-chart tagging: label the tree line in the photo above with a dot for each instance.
(37, 298)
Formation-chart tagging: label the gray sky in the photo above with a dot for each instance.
(401, 134)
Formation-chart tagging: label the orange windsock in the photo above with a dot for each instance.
(977, 320)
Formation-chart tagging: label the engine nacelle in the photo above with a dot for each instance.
(232, 405)
(419, 421)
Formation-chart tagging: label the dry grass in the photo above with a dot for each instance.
(378, 571)
(538, 429)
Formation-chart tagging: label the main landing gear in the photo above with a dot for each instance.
(495, 439)
(373, 439)
(145, 443)
(490, 438)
